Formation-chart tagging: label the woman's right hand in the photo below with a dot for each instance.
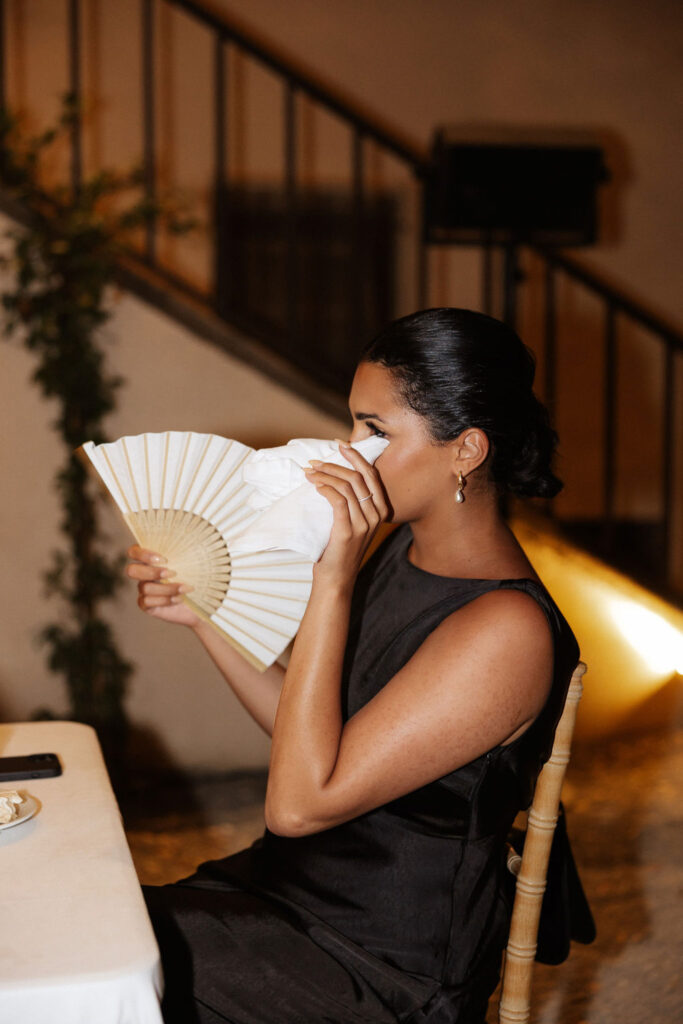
(158, 593)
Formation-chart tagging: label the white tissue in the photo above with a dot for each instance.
(10, 801)
(295, 517)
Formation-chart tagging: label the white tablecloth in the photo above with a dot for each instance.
(76, 944)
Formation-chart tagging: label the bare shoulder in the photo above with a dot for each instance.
(505, 615)
(507, 610)
(500, 645)
(476, 682)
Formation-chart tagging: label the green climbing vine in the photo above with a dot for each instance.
(63, 261)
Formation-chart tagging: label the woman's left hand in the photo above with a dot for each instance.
(359, 504)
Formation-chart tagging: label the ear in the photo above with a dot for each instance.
(470, 450)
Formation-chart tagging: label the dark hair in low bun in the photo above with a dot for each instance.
(460, 369)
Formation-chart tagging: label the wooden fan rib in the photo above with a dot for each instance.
(138, 537)
(216, 593)
(218, 580)
(274, 603)
(235, 588)
(231, 528)
(259, 607)
(207, 582)
(189, 535)
(196, 527)
(232, 517)
(258, 565)
(267, 652)
(252, 638)
(115, 478)
(157, 530)
(167, 444)
(180, 471)
(225, 500)
(295, 558)
(210, 602)
(207, 561)
(194, 535)
(219, 462)
(215, 568)
(154, 460)
(268, 579)
(131, 475)
(269, 630)
(198, 576)
(183, 500)
(147, 472)
(261, 663)
(234, 469)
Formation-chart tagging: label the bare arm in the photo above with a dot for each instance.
(161, 597)
(478, 680)
(258, 692)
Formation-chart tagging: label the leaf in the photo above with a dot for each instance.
(64, 262)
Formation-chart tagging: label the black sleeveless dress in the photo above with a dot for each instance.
(397, 915)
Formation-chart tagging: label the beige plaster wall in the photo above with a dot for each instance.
(177, 700)
(611, 66)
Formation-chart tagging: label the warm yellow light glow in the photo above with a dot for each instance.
(658, 643)
(631, 639)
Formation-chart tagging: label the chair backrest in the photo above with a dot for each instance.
(532, 867)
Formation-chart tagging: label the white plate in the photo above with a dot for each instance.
(26, 811)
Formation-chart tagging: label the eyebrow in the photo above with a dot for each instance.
(367, 416)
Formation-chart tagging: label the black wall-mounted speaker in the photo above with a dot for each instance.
(503, 192)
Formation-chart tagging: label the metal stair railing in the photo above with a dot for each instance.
(227, 38)
(618, 313)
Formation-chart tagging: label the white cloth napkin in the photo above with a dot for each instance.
(295, 517)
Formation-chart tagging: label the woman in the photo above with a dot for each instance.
(418, 706)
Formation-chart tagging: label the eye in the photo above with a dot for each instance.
(374, 429)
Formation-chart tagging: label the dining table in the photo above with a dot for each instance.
(76, 942)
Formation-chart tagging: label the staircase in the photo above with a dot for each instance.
(304, 255)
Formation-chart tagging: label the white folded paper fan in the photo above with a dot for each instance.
(183, 496)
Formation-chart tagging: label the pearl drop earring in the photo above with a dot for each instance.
(459, 494)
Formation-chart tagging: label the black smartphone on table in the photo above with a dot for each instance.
(29, 766)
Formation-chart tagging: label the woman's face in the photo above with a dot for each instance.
(414, 469)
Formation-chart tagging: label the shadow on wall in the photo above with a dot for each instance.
(150, 770)
(149, 764)
(611, 199)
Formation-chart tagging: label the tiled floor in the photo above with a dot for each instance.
(625, 811)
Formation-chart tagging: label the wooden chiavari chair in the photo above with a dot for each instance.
(532, 867)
